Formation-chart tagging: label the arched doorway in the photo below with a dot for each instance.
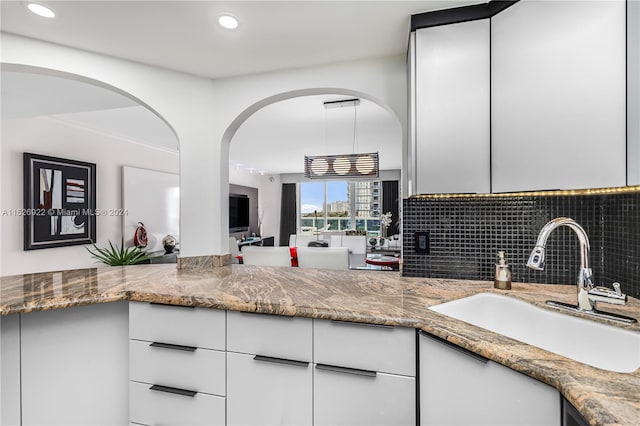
(268, 140)
(68, 116)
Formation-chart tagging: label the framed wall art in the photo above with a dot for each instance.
(59, 202)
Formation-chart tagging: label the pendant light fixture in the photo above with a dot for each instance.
(341, 166)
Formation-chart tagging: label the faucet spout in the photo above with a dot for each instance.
(537, 257)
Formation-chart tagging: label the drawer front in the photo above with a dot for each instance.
(151, 407)
(270, 335)
(200, 327)
(202, 370)
(367, 347)
(277, 392)
(343, 398)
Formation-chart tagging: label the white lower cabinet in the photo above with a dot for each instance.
(355, 397)
(182, 367)
(158, 405)
(364, 374)
(298, 371)
(365, 346)
(268, 391)
(249, 369)
(458, 387)
(269, 371)
(10, 370)
(270, 335)
(74, 366)
(177, 365)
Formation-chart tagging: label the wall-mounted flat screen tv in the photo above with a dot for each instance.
(238, 213)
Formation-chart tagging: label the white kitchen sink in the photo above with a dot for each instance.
(599, 345)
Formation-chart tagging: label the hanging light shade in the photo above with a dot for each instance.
(319, 166)
(342, 166)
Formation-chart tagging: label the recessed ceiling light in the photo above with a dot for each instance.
(227, 21)
(41, 10)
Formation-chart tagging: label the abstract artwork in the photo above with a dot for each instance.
(60, 199)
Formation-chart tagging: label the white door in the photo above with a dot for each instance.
(75, 368)
(460, 388)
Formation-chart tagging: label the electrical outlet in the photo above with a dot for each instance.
(422, 243)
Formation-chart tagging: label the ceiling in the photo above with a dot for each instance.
(183, 36)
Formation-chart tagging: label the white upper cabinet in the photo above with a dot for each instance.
(451, 108)
(633, 93)
(543, 95)
(558, 95)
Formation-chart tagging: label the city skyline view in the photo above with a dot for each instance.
(312, 195)
(349, 205)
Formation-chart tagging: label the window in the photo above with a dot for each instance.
(341, 205)
(338, 209)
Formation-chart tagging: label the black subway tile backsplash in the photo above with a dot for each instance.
(467, 232)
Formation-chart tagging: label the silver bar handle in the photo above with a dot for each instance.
(346, 370)
(280, 361)
(172, 346)
(175, 391)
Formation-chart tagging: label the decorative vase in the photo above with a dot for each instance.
(373, 242)
(140, 236)
(169, 243)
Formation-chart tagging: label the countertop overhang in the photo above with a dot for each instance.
(603, 397)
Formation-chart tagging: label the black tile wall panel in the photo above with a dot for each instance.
(467, 232)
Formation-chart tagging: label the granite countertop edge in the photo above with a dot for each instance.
(602, 397)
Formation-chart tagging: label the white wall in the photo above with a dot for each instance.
(205, 114)
(269, 196)
(49, 137)
(184, 101)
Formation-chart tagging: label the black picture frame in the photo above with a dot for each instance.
(59, 202)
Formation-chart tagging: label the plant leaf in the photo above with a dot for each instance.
(116, 255)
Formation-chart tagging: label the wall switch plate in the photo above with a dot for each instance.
(422, 243)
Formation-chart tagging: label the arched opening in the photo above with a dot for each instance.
(267, 142)
(64, 115)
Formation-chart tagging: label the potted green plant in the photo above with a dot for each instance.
(116, 256)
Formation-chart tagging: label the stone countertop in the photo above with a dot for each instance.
(603, 397)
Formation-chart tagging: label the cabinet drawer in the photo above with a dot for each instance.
(152, 407)
(342, 398)
(364, 346)
(262, 391)
(201, 370)
(270, 335)
(200, 327)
